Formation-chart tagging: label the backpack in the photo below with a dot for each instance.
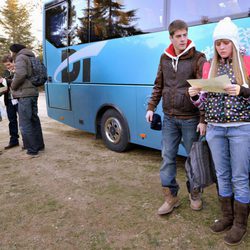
(199, 165)
(39, 72)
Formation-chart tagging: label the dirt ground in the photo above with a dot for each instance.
(80, 195)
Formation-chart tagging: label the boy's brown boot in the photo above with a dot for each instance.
(195, 200)
(170, 203)
(239, 228)
(226, 221)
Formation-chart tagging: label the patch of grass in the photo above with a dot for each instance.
(153, 240)
(43, 206)
(109, 189)
(151, 168)
(98, 240)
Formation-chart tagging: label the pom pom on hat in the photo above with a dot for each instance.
(226, 29)
(16, 47)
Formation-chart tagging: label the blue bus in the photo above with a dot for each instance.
(102, 57)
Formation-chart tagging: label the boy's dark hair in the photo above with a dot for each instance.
(177, 25)
(16, 47)
(7, 58)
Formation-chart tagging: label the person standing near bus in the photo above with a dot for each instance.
(228, 131)
(10, 103)
(182, 120)
(27, 95)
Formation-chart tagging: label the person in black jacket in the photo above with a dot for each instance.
(10, 103)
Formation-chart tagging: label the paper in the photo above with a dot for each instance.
(14, 101)
(216, 84)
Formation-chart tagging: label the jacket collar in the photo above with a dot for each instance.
(170, 52)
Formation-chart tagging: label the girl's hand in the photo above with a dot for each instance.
(193, 91)
(232, 89)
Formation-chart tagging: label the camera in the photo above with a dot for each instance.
(156, 123)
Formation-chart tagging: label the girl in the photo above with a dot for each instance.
(228, 131)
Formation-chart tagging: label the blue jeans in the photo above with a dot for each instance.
(230, 148)
(173, 131)
(30, 125)
(13, 124)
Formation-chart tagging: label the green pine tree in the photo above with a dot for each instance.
(15, 24)
(107, 19)
(111, 20)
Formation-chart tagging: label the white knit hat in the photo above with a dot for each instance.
(226, 29)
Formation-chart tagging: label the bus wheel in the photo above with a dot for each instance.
(114, 131)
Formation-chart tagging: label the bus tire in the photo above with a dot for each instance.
(114, 131)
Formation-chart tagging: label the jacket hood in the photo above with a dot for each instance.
(25, 52)
(170, 52)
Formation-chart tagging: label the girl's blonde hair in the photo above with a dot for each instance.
(236, 67)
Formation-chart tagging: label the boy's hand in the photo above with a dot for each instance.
(149, 116)
(202, 127)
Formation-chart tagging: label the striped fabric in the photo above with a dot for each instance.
(199, 166)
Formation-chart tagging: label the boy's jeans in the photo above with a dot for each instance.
(30, 125)
(173, 131)
(230, 148)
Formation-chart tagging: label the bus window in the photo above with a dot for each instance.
(203, 11)
(57, 25)
(79, 22)
(150, 15)
(121, 18)
(102, 20)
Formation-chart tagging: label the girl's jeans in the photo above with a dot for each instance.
(230, 148)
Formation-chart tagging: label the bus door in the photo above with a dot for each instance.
(57, 54)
